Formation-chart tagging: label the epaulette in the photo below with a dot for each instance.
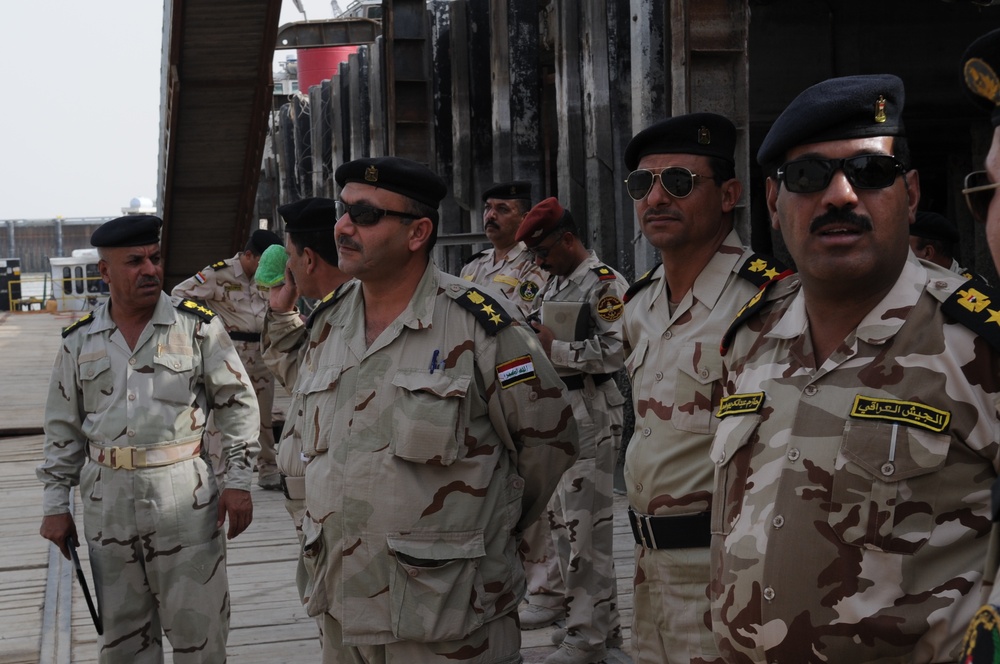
(759, 269)
(477, 255)
(86, 320)
(638, 285)
(604, 273)
(976, 305)
(749, 309)
(219, 265)
(969, 274)
(485, 309)
(328, 301)
(196, 308)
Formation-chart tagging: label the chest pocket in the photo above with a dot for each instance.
(173, 376)
(635, 359)
(731, 455)
(96, 381)
(318, 410)
(699, 370)
(425, 421)
(881, 470)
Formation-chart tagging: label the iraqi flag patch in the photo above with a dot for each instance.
(515, 371)
(200, 278)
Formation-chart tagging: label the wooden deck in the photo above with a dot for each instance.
(43, 615)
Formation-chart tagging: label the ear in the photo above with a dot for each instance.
(102, 267)
(912, 181)
(772, 187)
(731, 192)
(419, 233)
(309, 262)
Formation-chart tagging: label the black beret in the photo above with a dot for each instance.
(933, 226)
(509, 190)
(540, 221)
(980, 65)
(837, 108)
(409, 178)
(309, 214)
(695, 133)
(262, 239)
(132, 230)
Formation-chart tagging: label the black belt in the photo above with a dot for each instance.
(575, 382)
(685, 531)
(244, 336)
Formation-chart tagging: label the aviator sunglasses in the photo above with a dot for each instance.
(366, 215)
(675, 180)
(866, 171)
(979, 194)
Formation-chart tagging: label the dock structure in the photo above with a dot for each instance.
(42, 608)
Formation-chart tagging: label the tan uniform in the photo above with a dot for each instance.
(852, 505)
(515, 276)
(156, 554)
(580, 513)
(234, 295)
(429, 452)
(676, 368)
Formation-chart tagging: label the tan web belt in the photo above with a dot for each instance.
(131, 458)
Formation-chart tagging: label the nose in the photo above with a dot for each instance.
(840, 192)
(657, 194)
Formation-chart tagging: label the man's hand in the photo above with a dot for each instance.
(544, 336)
(282, 298)
(239, 507)
(57, 528)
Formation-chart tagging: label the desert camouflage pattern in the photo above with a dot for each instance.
(425, 464)
(676, 372)
(156, 554)
(580, 514)
(516, 277)
(241, 304)
(852, 513)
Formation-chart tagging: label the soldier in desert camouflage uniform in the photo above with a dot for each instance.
(859, 433)
(683, 181)
(131, 389)
(228, 289)
(580, 514)
(507, 268)
(436, 431)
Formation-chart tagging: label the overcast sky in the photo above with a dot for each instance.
(80, 113)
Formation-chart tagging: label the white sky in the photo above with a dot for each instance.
(80, 114)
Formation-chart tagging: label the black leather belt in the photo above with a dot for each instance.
(685, 531)
(575, 382)
(244, 336)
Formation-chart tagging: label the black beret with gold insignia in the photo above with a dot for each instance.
(309, 214)
(980, 67)
(934, 226)
(403, 176)
(509, 190)
(132, 230)
(836, 109)
(695, 133)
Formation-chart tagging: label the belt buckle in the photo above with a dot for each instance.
(117, 461)
(646, 532)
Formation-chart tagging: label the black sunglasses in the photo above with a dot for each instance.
(675, 180)
(866, 171)
(366, 215)
(978, 194)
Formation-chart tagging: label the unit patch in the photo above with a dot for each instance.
(907, 412)
(610, 308)
(515, 371)
(982, 638)
(528, 290)
(740, 404)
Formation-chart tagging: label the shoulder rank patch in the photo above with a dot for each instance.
(515, 371)
(487, 311)
(72, 327)
(218, 266)
(610, 308)
(759, 269)
(748, 310)
(638, 285)
(982, 638)
(603, 272)
(976, 306)
(475, 256)
(199, 310)
(907, 412)
(328, 301)
(740, 404)
(528, 290)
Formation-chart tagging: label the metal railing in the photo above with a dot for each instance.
(34, 292)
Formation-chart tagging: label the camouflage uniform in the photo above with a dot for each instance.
(234, 295)
(155, 552)
(852, 499)
(676, 370)
(516, 276)
(581, 514)
(430, 450)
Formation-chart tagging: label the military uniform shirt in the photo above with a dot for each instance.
(852, 514)
(515, 276)
(231, 292)
(105, 392)
(429, 450)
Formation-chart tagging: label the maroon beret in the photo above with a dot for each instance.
(540, 221)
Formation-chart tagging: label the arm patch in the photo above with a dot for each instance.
(86, 320)
(199, 310)
(485, 309)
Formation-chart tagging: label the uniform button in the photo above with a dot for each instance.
(638, 488)
(940, 285)
(778, 521)
(455, 288)
(646, 431)
(811, 390)
(793, 454)
(131, 360)
(131, 433)
(90, 373)
(413, 572)
(769, 593)
(131, 397)
(518, 483)
(668, 334)
(703, 373)
(888, 469)
(177, 365)
(658, 375)
(532, 397)
(721, 459)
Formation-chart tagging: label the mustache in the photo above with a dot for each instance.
(840, 215)
(660, 211)
(148, 281)
(491, 223)
(344, 241)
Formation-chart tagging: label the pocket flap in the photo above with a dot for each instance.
(93, 365)
(914, 452)
(701, 362)
(438, 384)
(418, 546)
(321, 380)
(177, 363)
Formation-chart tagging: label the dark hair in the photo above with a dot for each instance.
(722, 170)
(940, 246)
(324, 243)
(424, 210)
(252, 248)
